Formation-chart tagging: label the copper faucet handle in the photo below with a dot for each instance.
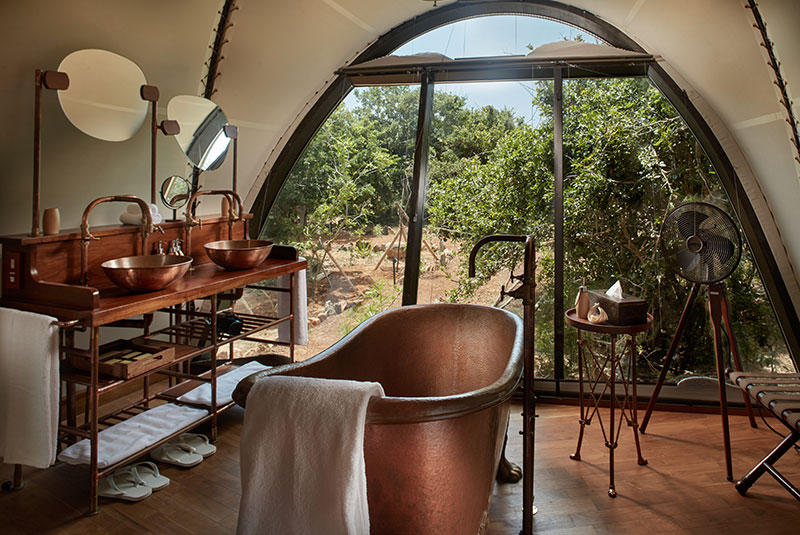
(192, 221)
(158, 228)
(90, 236)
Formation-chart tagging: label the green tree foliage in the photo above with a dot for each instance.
(340, 183)
(628, 160)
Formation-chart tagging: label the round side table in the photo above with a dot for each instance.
(598, 378)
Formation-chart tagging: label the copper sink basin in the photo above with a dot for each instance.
(146, 273)
(238, 254)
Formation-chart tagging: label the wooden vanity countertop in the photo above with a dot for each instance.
(206, 279)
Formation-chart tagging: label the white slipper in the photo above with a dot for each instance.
(121, 486)
(200, 443)
(177, 454)
(148, 474)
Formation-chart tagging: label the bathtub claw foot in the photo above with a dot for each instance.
(508, 472)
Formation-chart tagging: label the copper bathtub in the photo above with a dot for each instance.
(432, 445)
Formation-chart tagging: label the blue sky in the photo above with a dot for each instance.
(491, 36)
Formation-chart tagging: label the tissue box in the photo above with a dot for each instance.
(626, 311)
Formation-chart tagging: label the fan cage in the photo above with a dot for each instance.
(701, 243)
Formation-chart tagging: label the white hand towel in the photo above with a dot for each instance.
(29, 388)
(134, 434)
(226, 383)
(302, 457)
(300, 308)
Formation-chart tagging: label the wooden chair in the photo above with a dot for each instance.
(780, 394)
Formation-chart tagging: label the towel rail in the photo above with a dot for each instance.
(66, 323)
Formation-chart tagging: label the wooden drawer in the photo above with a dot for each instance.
(125, 359)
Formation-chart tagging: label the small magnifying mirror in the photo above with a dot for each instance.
(175, 192)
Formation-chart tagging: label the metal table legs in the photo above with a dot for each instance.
(594, 368)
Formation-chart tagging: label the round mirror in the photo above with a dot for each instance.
(202, 136)
(175, 192)
(103, 97)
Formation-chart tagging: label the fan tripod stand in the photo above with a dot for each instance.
(718, 310)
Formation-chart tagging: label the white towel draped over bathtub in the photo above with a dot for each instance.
(29, 382)
(302, 457)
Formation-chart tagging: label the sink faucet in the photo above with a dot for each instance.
(192, 221)
(87, 237)
(175, 247)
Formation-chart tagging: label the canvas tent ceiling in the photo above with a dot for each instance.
(282, 55)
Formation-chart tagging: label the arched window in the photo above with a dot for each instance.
(629, 158)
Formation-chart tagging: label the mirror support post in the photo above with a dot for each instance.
(48, 80)
(150, 93)
(233, 133)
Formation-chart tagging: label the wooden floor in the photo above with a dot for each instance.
(682, 489)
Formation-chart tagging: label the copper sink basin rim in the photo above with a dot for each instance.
(146, 273)
(238, 254)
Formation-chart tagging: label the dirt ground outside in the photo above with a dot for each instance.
(369, 281)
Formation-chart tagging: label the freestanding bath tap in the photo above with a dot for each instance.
(86, 236)
(526, 292)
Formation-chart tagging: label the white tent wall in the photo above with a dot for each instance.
(281, 56)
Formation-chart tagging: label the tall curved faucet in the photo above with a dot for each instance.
(86, 236)
(526, 292)
(192, 221)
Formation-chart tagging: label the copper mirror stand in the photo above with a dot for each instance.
(48, 80)
(151, 94)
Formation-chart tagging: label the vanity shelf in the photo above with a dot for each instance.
(45, 272)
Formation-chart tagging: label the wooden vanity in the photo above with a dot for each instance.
(41, 274)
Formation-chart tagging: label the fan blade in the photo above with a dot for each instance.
(717, 245)
(689, 222)
(687, 260)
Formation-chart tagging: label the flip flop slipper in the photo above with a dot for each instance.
(118, 486)
(177, 454)
(148, 474)
(199, 442)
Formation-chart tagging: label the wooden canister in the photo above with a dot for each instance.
(51, 221)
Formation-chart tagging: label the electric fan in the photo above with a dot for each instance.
(701, 243)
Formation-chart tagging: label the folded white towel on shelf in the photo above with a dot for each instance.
(29, 388)
(226, 383)
(302, 457)
(300, 308)
(134, 434)
(133, 215)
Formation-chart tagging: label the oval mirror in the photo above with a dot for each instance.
(202, 135)
(175, 192)
(103, 97)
